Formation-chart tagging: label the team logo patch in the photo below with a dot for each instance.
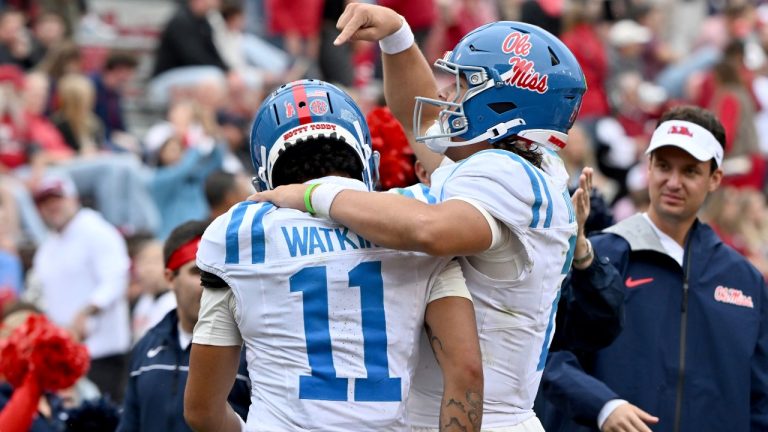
(318, 107)
(634, 283)
(733, 296)
(680, 130)
(290, 111)
(523, 73)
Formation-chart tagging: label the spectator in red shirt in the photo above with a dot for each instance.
(582, 38)
(298, 24)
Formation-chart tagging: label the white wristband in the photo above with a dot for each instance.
(322, 198)
(398, 41)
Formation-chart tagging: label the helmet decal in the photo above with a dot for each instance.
(289, 110)
(522, 74)
(318, 107)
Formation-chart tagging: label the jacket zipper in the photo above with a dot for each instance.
(683, 337)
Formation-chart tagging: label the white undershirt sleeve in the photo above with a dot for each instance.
(216, 323)
(497, 228)
(449, 283)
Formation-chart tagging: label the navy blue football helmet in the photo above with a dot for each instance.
(303, 110)
(520, 81)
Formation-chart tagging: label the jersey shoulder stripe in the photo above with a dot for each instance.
(548, 219)
(418, 191)
(492, 161)
(255, 234)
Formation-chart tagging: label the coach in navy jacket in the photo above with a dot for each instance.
(154, 400)
(694, 347)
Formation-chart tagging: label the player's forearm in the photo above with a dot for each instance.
(462, 407)
(213, 419)
(407, 75)
(387, 220)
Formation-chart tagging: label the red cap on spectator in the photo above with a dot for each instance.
(54, 186)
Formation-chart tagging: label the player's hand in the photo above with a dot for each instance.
(288, 196)
(366, 22)
(580, 198)
(628, 418)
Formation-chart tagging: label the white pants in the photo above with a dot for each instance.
(531, 425)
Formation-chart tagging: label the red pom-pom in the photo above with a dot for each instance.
(389, 139)
(45, 350)
(14, 355)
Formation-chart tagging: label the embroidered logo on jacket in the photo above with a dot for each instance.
(733, 296)
(634, 283)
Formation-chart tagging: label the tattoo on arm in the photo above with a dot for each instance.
(434, 342)
(475, 414)
(457, 403)
(453, 422)
(453, 425)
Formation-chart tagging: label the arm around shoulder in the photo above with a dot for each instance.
(452, 228)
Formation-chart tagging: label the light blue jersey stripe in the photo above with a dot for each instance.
(529, 169)
(258, 245)
(232, 239)
(569, 205)
(548, 334)
(405, 192)
(427, 195)
(548, 220)
(418, 192)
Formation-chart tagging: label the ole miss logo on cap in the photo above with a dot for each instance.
(680, 130)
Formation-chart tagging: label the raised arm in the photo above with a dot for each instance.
(407, 73)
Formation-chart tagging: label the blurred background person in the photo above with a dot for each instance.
(110, 85)
(160, 360)
(156, 298)
(82, 272)
(82, 130)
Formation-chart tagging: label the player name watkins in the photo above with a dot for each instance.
(310, 240)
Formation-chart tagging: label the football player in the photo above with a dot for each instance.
(330, 320)
(490, 139)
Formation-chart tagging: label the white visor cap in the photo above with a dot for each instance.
(694, 139)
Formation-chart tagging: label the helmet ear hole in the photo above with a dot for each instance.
(501, 107)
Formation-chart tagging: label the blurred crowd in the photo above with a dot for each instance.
(104, 152)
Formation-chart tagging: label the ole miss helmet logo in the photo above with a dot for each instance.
(680, 130)
(523, 73)
(318, 107)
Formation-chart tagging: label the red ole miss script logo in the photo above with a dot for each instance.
(680, 130)
(523, 73)
(733, 296)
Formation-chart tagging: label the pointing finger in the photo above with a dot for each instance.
(349, 29)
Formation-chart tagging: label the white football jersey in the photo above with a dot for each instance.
(516, 312)
(330, 321)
